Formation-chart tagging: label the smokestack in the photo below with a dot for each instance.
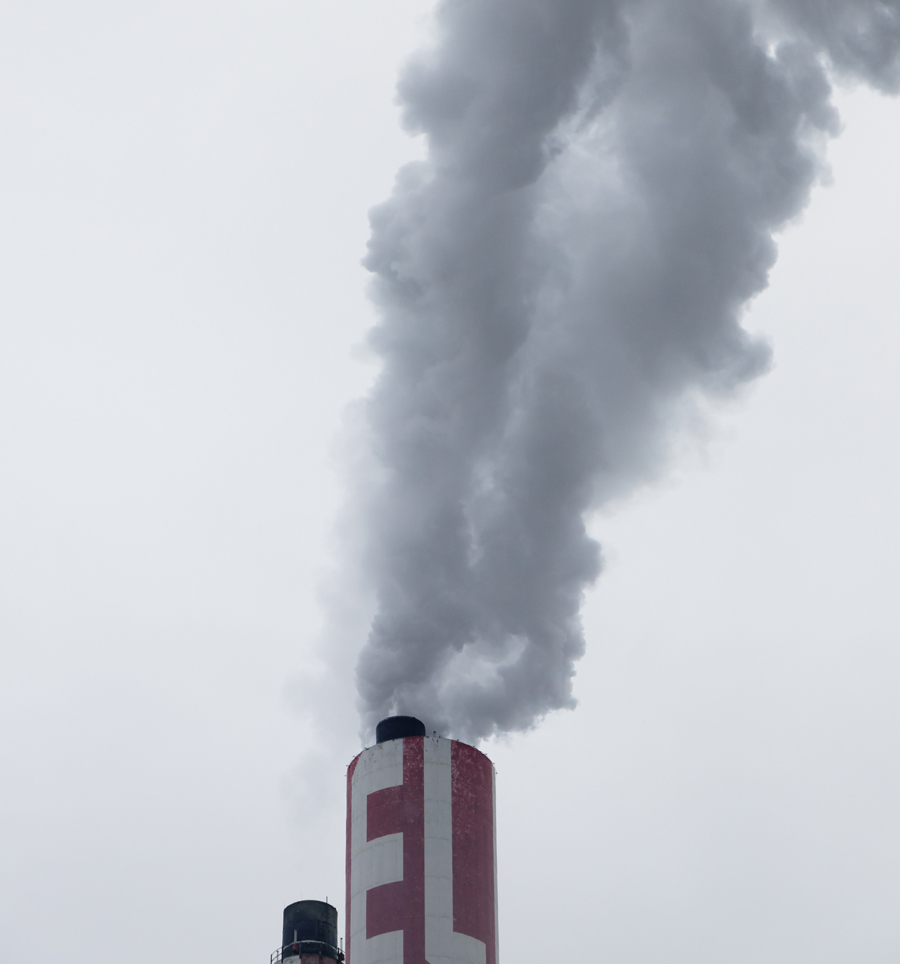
(309, 934)
(421, 850)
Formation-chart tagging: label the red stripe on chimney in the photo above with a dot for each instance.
(472, 801)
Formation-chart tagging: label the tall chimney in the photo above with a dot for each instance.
(421, 851)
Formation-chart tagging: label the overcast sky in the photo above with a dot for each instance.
(184, 191)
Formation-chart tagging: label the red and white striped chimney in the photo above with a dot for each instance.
(421, 852)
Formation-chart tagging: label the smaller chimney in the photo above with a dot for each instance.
(309, 934)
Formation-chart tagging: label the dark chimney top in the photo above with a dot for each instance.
(310, 927)
(397, 727)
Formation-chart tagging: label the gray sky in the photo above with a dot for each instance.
(184, 193)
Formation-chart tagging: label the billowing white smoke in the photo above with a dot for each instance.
(569, 263)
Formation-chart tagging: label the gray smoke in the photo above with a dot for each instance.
(561, 277)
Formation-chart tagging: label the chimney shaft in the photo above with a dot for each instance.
(421, 855)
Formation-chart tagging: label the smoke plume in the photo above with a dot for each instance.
(564, 272)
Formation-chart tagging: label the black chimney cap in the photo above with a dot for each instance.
(311, 925)
(397, 727)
